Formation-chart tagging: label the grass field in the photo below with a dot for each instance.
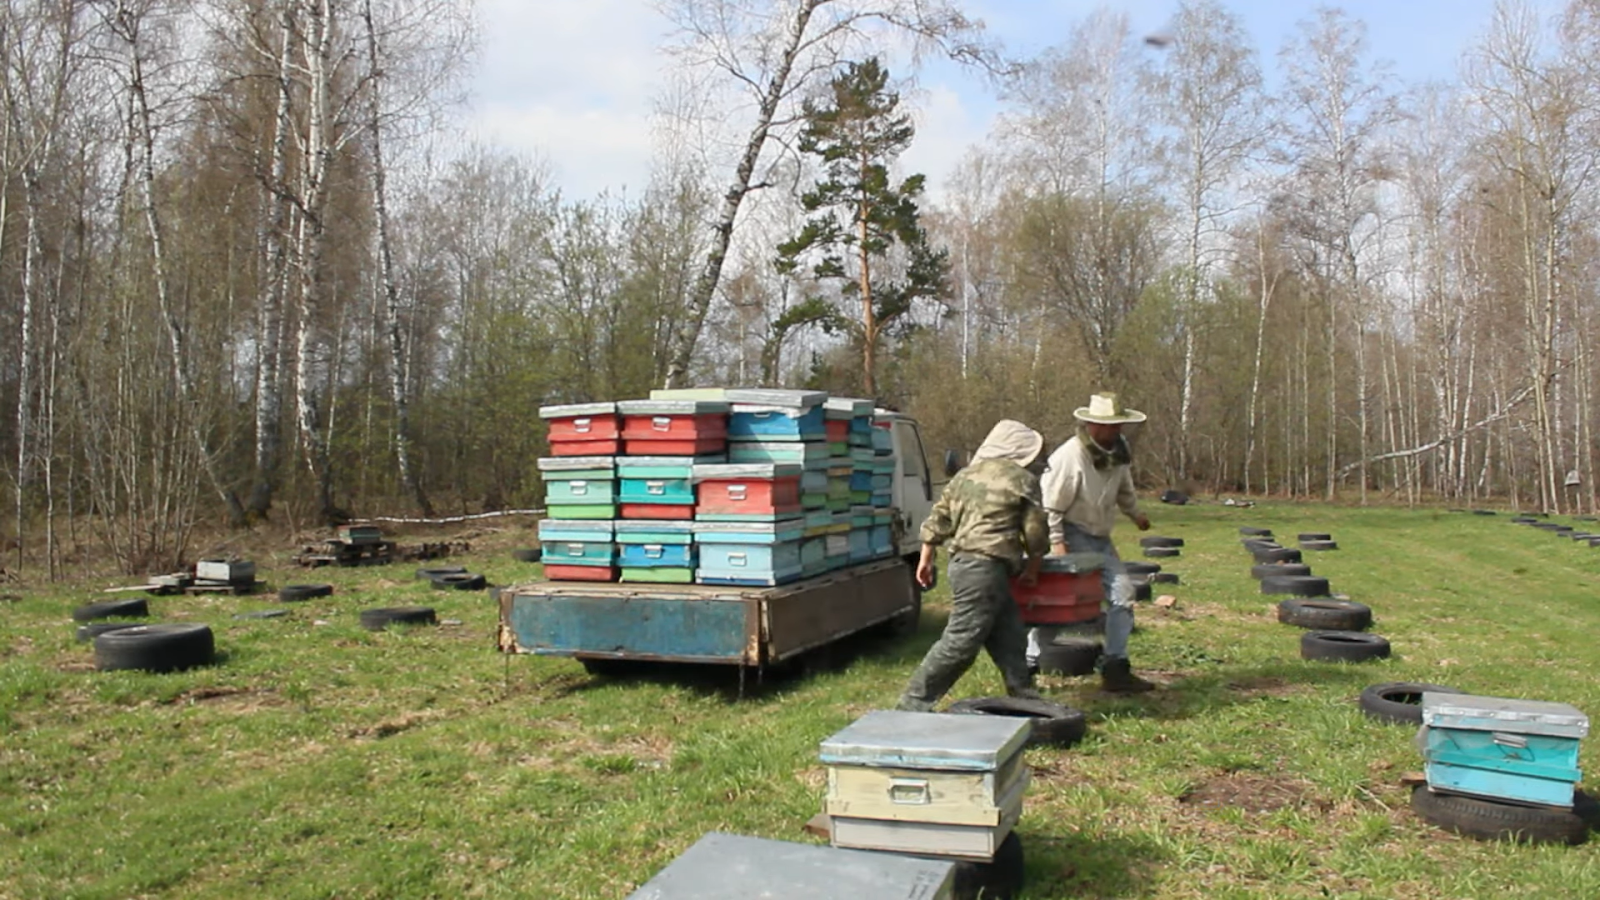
(320, 760)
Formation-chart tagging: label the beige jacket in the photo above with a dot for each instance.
(1075, 491)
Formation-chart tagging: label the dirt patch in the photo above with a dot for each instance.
(239, 699)
(1251, 793)
(392, 727)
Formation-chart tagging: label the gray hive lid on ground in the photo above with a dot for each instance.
(572, 410)
(918, 740)
(1475, 713)
(734, 867)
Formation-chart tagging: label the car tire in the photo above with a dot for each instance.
(1164, 578)
(1256, 532)
(1053, 724)
(1399, 702)
(1325, 615)
(135, 608)
(1136, 568)
(168, 647)
(460, 581)
(1490, 820)
(1343, 646)
(93, 630)
(1157, 541)
(1254, 544)
(1162, 552)
(293, 593)
(381, 618)
(1072, 656)
(1277, 554)
(531, 555)
(1295, 585)
(433, 572)
(1319, 545)
(1313, 536)
(1274, 570)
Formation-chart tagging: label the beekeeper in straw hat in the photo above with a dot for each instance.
(1087, 482)
(990, 517)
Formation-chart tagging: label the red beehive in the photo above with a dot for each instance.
(556, 572)
(756, 489)
(1069, 590)
(583, 429)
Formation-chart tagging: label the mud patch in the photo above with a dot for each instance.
(1251, 793)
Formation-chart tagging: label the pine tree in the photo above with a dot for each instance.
(864, 232)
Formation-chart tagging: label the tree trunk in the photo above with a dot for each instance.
(181, 373)
(686, 331)
(274, 279)
(397, 350)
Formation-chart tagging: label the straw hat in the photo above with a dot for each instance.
(1106, 409)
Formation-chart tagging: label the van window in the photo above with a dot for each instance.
(913, 463)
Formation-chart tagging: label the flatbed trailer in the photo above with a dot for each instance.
(750, 627)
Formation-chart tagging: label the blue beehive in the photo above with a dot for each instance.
(1520, 750)
(750, 553)
(577, 542)
(776, 416)
(654, 544)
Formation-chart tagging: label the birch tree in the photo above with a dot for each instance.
(773, 53)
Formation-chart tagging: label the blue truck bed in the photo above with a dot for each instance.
(748, 626)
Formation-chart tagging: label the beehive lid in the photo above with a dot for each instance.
(918, 740)
(654, 526)
(735, 867)
(572, 526)
(847, 407)
(777, 398)
(1074, 563)
(1503, 714)
(751, 471)
(671, 407)
(572, 410)
(784, 526)
(575, 463)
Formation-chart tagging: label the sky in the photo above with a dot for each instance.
(572, 81)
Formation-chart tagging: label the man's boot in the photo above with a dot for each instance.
(1117, 678)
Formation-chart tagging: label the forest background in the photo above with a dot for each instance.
(249, 270)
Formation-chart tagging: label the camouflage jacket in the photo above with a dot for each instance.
(991, 508)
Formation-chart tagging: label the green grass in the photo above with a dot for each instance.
(320, 760)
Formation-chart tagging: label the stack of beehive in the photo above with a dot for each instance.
(1501, 750)
(756, 487)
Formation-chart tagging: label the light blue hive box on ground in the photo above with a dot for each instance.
(1524, 751)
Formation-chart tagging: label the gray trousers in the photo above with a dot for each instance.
(982, 616)
(1119, 599)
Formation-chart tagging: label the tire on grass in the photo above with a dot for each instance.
(1162, 552)
(1313, 536)
(1269, 570)
(1142, 590)
(1164, 578)
(1247, 531)
(1136, 568)
(460, 581)
(1343, 646)
(163, 647)
(291, 593)
(93, 630)
(1325, 615)
(1067, 655)
(1398, 702)
(1276, 554)
(134, 608)
(1319, 545)
(433, 572)
(1157, 541)
(1295, 585)
(999, 879)
(382, 617)
(530, 555)
(1254, 544)
(1489, 820)
(1053, 724)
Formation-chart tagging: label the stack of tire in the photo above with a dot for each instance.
(1336, 629)
(453, 578)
